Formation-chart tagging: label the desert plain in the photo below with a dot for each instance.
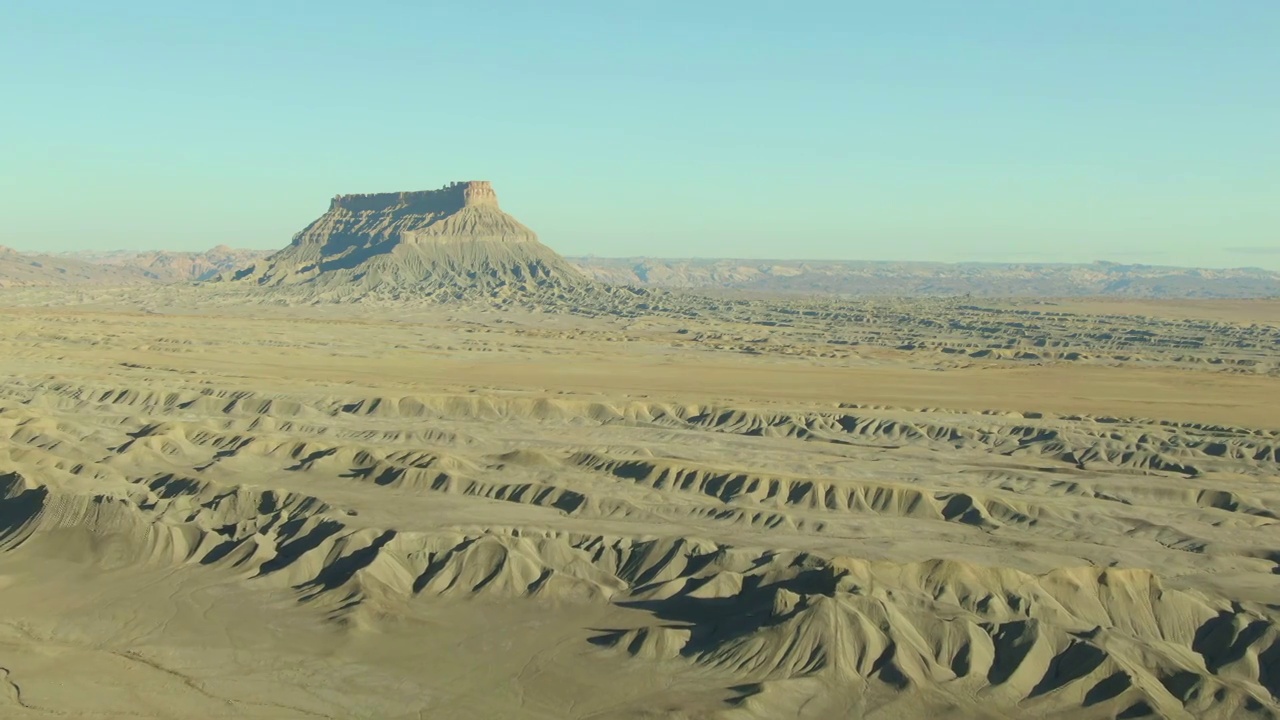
(231, 501)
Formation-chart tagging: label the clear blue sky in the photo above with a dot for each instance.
(1135, 131)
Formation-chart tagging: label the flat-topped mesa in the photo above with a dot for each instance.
(454, 241)
(450, 198)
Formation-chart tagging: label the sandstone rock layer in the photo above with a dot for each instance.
(451, 241)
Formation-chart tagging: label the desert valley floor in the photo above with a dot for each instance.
(218, 508)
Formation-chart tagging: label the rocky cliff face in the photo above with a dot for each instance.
(451, 241)
(449, 199)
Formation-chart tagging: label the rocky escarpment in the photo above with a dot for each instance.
(451, 242)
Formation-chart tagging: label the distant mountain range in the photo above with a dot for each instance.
(172, 266)
(823, 277)
(855, 278)
(25, 270)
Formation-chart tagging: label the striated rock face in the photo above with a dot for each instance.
(452, 241)
(449, 199)
(459, 212)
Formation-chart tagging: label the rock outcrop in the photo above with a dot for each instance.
(452, 242)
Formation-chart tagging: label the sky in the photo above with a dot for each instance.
(1143, 131)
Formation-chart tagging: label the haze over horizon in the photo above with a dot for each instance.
(991, 132)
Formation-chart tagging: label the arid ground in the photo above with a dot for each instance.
(222, 507)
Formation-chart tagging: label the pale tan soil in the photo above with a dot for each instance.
(215, 508)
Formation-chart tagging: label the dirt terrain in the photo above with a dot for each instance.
(222, 508)
(415, 464)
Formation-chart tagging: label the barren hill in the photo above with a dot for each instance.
(35, 270)
(174, 265)
(451, 242)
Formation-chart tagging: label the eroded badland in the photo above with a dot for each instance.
(464, 481)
